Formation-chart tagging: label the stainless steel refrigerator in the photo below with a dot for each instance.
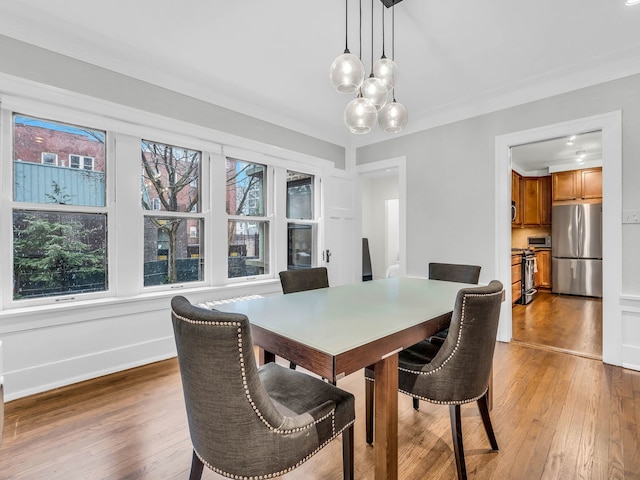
(576, 249)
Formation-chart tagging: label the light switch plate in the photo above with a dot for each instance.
(631, 216)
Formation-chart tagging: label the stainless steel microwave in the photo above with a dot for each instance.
(539, 242)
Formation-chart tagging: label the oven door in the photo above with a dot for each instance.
(528, 279)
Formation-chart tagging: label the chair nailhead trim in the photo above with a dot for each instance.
(453, 352)
(277, 430)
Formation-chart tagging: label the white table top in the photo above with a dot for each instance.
(337, 319)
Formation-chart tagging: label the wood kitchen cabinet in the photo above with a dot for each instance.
(536, 201)
(576, 186)
(542, 278)
(545, 201)
(516, 278)
(530, 201)
(516, 200)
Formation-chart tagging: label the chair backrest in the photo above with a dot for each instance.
(453, 272)
(304, 279)
(460, 371)
(231, 417)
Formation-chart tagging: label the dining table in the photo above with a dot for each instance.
(339, 330)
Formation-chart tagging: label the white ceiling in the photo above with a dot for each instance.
(558, 154)
(270, 59)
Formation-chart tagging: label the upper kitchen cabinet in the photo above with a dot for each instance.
(577, 186)
(531, 202)
(545, 200)
(536, 201)
(516, 203)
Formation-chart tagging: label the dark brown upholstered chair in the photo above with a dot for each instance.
(304, 279)
(450, 272)
(248, 422)
(459, 371)
(293, 281)
(454, 272)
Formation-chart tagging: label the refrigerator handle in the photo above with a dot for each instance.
(580, 215)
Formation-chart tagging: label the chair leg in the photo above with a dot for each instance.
(483, 406)
(347, 453)
(196, 467)
(416, 404)
(456, 431)
(369, 387)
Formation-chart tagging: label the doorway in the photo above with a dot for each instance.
(611, 126)
(383, 205)
(554, 316)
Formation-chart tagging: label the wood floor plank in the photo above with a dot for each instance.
(615, 450)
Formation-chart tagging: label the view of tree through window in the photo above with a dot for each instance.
(58, 253)
(247, 239)
(59, 246)
(170, 188)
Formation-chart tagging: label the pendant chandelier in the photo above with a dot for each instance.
(371, 104)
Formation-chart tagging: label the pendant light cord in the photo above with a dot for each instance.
(346, 26)
(393, 32)
(382, 15)
(372, 38)
(393, 46)
(360, 30)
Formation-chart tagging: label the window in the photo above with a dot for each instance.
(49, 158)
(301, 226)
(193, 231)
(168, 191)
(248, 238)
(78, 161)
(60, 244)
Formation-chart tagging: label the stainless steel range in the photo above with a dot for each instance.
(528, 265)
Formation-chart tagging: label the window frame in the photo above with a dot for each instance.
(7, 301)
(202, 214)
(44, 154)
(82, 162)
(267, 218)
(313, 222)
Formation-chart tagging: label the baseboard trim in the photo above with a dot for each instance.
(42, 378)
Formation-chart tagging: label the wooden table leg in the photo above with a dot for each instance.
(265, 357)
(385, 442)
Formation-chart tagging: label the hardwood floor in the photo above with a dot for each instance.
(565, 322)
(556, 416)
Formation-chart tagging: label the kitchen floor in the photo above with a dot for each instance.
(567, 323)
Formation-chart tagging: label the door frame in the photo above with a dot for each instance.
(611, 126)
(400, 165)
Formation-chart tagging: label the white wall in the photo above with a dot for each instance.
(451, 186)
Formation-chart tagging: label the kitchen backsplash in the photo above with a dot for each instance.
(519, 235)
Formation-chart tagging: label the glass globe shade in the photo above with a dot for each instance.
(386, 70)
(393, 117)
(346, 73)
(360, 115)
(375, 90)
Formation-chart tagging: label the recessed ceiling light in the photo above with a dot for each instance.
(630, 3)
